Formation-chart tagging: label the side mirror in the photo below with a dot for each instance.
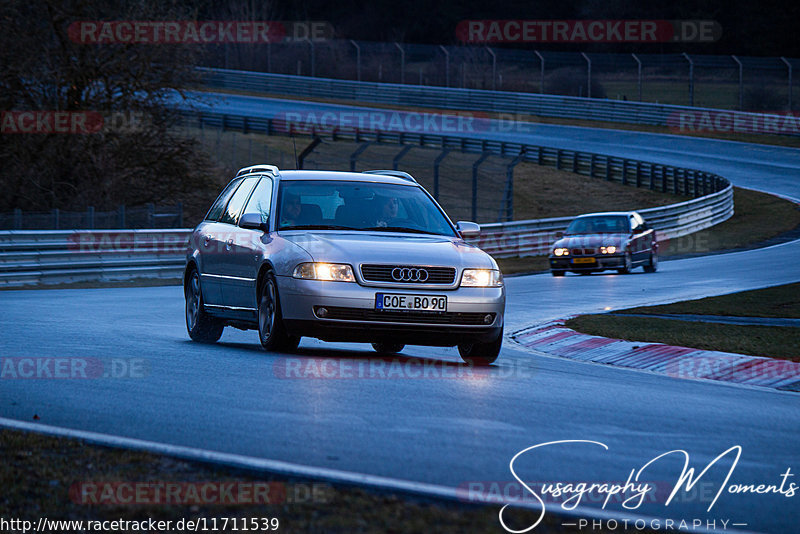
(252, 221)
(468, 230)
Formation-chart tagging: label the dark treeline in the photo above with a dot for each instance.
(762, 28)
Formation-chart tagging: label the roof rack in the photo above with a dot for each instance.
(396, 174)
(270, 169)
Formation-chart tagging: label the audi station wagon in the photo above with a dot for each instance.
(596, 242)
(341, 256)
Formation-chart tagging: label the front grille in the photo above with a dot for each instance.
(582, 251)
(383, 273)
(429, 317)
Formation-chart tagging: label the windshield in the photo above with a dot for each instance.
(602, 224)
(333, 205)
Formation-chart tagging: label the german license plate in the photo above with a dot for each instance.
(583, 260)
(394, 301)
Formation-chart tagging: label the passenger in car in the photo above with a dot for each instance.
(290, 212)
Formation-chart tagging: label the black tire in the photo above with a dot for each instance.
(557, 272)
(628, 265)
(481, 354)
(271, 331)
(388, 348)
(652, 265)
(201, 326)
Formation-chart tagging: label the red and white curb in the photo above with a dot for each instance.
(555, 339)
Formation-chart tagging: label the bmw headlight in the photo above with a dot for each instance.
(561, 252)
(481, 278)
(332, 272)
(608, 250)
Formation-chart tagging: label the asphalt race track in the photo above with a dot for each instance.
(442, 429)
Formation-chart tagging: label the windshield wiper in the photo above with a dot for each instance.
(400, 229)
(316, 227)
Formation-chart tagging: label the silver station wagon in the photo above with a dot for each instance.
(341, 256)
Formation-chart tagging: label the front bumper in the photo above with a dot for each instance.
(601, 262)
(352, 315)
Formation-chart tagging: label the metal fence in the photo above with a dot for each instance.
(516, 105)
(724, 82)
(148, 216)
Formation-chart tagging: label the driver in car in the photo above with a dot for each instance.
(387, 211)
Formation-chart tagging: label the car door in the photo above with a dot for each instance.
(226, 236)
(639, 247)
(247, 249)
(208, 246)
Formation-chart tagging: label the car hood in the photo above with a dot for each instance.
(591, 241)
(388, 247)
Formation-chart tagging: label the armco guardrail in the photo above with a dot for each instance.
(497, 101)
(31, 257)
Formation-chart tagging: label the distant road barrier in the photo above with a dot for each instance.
(678, 118)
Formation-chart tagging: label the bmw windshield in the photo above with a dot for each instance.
(604, 224)
(365, 206)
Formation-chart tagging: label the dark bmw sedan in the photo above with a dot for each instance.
(605, 241)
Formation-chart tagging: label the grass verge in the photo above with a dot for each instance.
(768, 341)
(56, 477)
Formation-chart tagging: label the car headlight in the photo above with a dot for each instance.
(608, 250)
(333, 272)
(481, 278)
(561, 252)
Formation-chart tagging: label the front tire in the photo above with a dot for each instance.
(387, 348)
(652, 266)
(557, 272)
(481, 354)
(626, 269)
(271, 331)
(201, 326)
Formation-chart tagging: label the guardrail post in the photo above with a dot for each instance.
(508, 195)
(151, 215)
(588, 75)
(691, 78)
(638, 174)
(55, 218)
(741, 84)
(475, 166)
(639, 72)
(541, 71)
(624, 172)
(663, 178)
(494, 68)
(539, 159)
(311, 50)
(90, 217)
(651, 170)
(17, 219)
(591, 166)
(436, 164)
(179, 214)
(789, 66)
(399, 156)
(354, 155)
(402, 63)
(446, 66)
(358, 59)
(609, 161)
(121, 216)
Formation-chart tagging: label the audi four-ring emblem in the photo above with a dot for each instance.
(409, 274)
